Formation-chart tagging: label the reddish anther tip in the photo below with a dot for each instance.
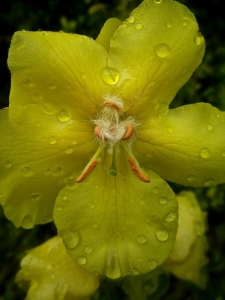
(139, 174)
(113, 104)
(86, 173)
(129, 132)
(97, 132)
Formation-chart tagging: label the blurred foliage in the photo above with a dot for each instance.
(207, 85)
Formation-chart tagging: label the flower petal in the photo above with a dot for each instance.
(117, 225)
(185, 146)
(107, 32)
(156, 50)
(55, 69)
(38, 152)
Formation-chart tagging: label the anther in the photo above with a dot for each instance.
(129, 132)
(88, 171)
(139, 174)
(112, 104)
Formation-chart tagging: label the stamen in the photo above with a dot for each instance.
(97, 132)
(112, 171)
(113, 104)
(129, 132)
(138, 173)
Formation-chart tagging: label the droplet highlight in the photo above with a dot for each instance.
(141, 239)
(27, 82)
(162, 235)
(170, 217)
(168, 24)
(155, 191)
(190, 178)
(7, 164)
(205, 153)
(68, 150)
(26, 172)
(27, 222)
(35, 197)
(162, 50)
(139, 26)
(81, 260)
(64, 116)
(56, 171)
(52, 140)
(209, 127)
(131, 19)
(110, 75)
(152, 264)
(87, 250)
(91, 205)
(71, 239)
(198, 39)
(163, 200)
(59, 208)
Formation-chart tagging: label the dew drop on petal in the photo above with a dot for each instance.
(142, 202)
(218, 116)
(71, 183)
(139, 26)
(35, 196)
(135, 271)
(26, 172)
(162, 200)
(161, 234)
(56, 171)
(184, 22)
(152, 264)
(27, 222)
(48, 108)
(168, 24)
(47, 171)
(110, 75)
(162, 50)
(223, 153)
(7, 164)
(198, 39)
(95, 225)
(209, 182)
(131, 19)
(68, 150)
(170, 217)
(59, 208)
(158, 1)
(155, 191)
(74, 142)
(87, 250)
(190, 178)
(81, 260)
(71, 239)
(51, 85)
(209, 127)
(64, 116)
(149, 153)
(52, 140)
(141, 239)
(49, 266)
(37, 94)
(91, 205)
(64, 198)
(27, 82)
(205, 153)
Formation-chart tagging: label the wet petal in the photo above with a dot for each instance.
(51, 68)
(107, 32)
(52, 274)
(156, 50)
(185, 146)
(116, 225)
(38, 152)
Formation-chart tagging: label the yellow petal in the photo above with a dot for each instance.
(57, 70)
(107, 32)
(52, 274)
(185, 146)
(155, 50)
(38, 152)
(188, 255)
(117, 225)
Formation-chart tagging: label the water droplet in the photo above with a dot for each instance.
(56, 171)
(83, 75)
(170, 217)
(141, 239)
(48, 108)
(209, 182)
(70, 239)
(158, 1)
(149, 153)
(26, 172)
(87, 250)
(35, 196)
(27, 222)
(81, 260)
(139, 26)
(91, 205)
(162, 200)
(218, 116)
(190, 178)
(142, 202)
(7, 164)
(68, 150)
(110, 75)
(71, 183)
(162, 50)
(52, 140)
(64, 116)
(51, 85)
(95, 225)
(184, 22)
(152, 264)
(161, 234)
(47, 171)
(205, 153)
(163, 109)
(223, 153)
(209, 127)
(135, 271)
(65, 198)
(45, 33)
(198, 39)
(169, 129)
(59, 208)
(49, 266)
(155, 191)
(27, 82)
(131, 19)
(168, 24)
(37, 94)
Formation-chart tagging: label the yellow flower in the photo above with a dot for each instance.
(82, 111)
(188, 255)
(50, 273)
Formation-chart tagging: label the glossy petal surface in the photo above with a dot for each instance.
(155, 50)
(37, 155)
(185, 146)
(117, 226)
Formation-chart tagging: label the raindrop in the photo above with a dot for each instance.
(27, 82)
(52, 140)
(223, 153)
(205, 153)
(141, 239)
(149, 153)
(56, 171)
(87, 250)
(68, 150)
(7, 164)
(169, 129)
(184, 22)
(152, 264)
(135, 271)
(170, 217)
(47, 171)
(131, 19)
(158, 1)
(51, 85)
(37, 94)
(162, 50)
(26, 172)
(95, 225)
(91, 205)
(59, 208)
(190, 178)
(71, 239)
(74, 142)
(218, 116)
(83, 75)
(81, 260)
(110, 75)
(155, 191)
(139, 26)
(65, 198)
(209, 127)
(71, 183)
(168, 24)
(198, 39)
(161, 234)
(45, 33)
(27, 222)
(48, 108)
(209, 182)
(64, 116)
(35, 196)
(162, 200)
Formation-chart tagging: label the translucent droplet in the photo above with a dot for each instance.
(142, 202)
(48, 108)
(45, 33)
(52, 140)
(26, 172)
(218, 116)
(87, 250)
(139, 26)
(95, 225)
(131, 19)
(71, 183)
(49, 266)
(223, 153)
(81, 260)
(68, 150)
(56, 171)
(27, 222)
(149, 153)
(83, 75)
(209, 127)
(71, 239)
(168, 24)
(184, 22)
(74, 142)
(161, 234)
(152, 264)
(198, 39)
(59, 208)
(135, 271)
(65, 198)
(163, 200)
(110, 75)
(155, 191)
(162, 50)
(51, 85)
(190, 178)
(47, 171)
(27, 82)
(158, 1)
(163, 109)
(141, 239)
(169, 129)
(91, 205)
(7, 164)
(170, 217)
(38, 94)
(209, 182)
(35, 196)
(205, 153)
(64, 116)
